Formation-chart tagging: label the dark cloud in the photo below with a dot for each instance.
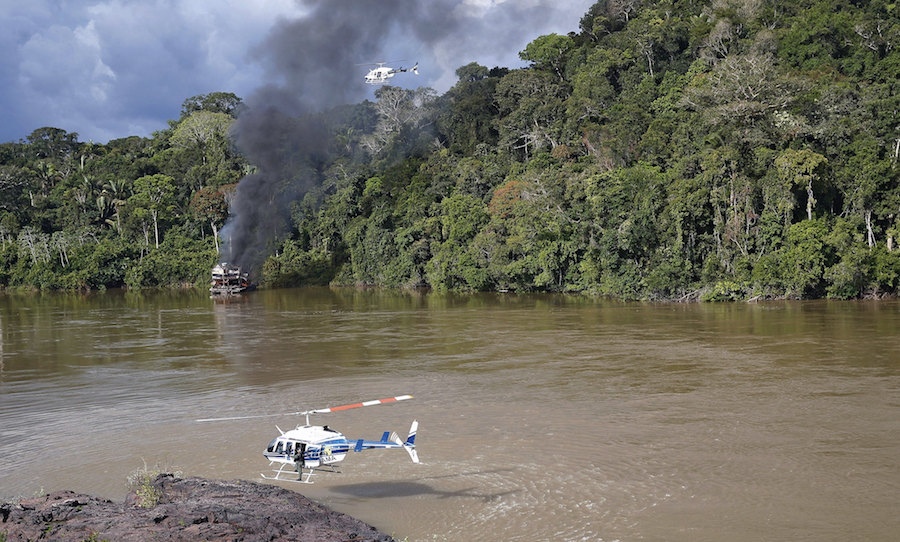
(319, 55)
(114, 68)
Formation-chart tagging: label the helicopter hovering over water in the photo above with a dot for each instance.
(382, 73)
(308, 449)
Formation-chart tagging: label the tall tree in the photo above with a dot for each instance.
(211, 204)
(802, 168)
(155, 194)
(215, 102)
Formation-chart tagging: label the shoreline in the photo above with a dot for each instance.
(709, 294)
(168, 507)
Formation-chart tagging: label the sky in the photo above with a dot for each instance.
(107, 69)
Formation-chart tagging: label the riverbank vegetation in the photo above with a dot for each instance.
(137, 212)
(719, 150)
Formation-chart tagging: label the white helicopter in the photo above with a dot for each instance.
(382, 73)
(311, 448)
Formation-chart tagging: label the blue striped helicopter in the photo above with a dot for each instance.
(308, 449)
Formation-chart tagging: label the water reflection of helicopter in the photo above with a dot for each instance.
(382, 73)
(313, 448)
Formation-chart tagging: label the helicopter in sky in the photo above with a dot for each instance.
(382, 73)
(308, 449)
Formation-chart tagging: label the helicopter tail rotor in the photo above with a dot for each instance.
(411, 439)
(410, 444)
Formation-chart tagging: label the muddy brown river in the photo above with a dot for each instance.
(541, 417)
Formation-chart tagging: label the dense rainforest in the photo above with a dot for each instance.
(666, 149)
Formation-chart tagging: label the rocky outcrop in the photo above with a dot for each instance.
(186, 509)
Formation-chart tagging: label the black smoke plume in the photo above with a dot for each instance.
(314, 65)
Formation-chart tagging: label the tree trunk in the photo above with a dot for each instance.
(155, 228)
(810, 200)
(890, 236)
(870, 235)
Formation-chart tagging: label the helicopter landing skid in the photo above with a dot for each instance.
(300, 478)
(281, 472)
(278, 477)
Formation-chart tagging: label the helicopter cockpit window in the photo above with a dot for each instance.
(288, 449)
(271, 446)
(278, 447)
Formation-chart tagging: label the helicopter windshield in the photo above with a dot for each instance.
(271, 446)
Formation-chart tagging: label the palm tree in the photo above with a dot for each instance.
(113, 193)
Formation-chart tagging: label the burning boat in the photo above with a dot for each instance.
(229, 280)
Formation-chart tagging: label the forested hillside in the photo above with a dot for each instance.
(717, 150)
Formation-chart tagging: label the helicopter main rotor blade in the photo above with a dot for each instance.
(250, 417)
(380, 63)
(317, 411)
(363, 404)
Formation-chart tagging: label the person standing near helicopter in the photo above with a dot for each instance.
(298, 455)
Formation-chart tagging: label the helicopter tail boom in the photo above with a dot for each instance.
(391, 440)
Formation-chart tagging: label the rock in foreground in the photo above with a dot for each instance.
(188, 509)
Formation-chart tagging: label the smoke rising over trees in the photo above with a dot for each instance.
(284, 127)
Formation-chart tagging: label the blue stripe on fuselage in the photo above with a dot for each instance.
(367, 444)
